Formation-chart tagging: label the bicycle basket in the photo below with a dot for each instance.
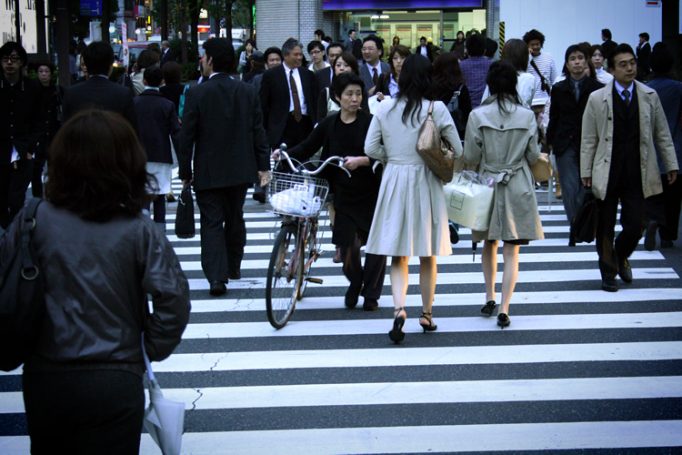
(297, 195)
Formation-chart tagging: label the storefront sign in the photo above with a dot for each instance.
(91, 7)
(357, 5)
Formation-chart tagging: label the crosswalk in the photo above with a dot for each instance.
(578, 370)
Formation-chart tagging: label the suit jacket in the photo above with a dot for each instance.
(596, 146)
(366, 76)
(159, 122)
(21, 118)
(643, 54)
(323, 79)
(99, 92)
(566, 115)
(222, 131)
(429, 51)
(275, 100)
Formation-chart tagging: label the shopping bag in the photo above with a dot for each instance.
(584, 225)
(163, 419)
(300, 200)
(469, 200)
(184, 217)
(542, 168)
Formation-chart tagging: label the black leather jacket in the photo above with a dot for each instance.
(97, 279)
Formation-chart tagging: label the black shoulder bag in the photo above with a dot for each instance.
(544, 86)
(22, 296)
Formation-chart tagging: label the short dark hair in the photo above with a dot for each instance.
(272, 50)
(335, 44)
(97, 167)
(327, 39)
(340, 82)
(98, 57)
(350, 61)
(221, 52)
(515, 51)
(289, 45)
(319, 32)
(40, 63)
(644, 35)
(315, 44)
(597, 47)
(12, 46)
(534, 35)
(378, 41)
(172, 72)
(153, 76)
(569, 50)
(351, 31)
(661, 59)
(606, 32)
(475, 45)
(422, 38)
(147, 58)
(622, 48)
(490, 47)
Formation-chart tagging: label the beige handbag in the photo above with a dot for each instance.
(542, 168)
(434, 150)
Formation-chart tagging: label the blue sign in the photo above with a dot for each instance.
(357, 5)
(91, 7)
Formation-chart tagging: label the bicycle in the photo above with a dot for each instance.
(299, 197)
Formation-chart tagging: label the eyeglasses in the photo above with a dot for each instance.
(10, 58)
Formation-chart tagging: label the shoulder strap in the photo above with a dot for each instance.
(535, 66)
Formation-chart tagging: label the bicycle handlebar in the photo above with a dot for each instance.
(333, 160)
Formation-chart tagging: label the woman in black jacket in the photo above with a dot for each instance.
(100, 260)
(343, 134)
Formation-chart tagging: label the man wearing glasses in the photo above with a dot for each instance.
(20, 99)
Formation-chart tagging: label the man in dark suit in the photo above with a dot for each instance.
(424, 48)
(222, 132)
(373, 67)
(98, 91)
(323, 78)
(20, 129)
(643, 55)
(167, 55)
(287, 95)
(569, 98)
(608, 44)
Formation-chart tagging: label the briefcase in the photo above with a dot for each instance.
(584, 225)
(184, 217)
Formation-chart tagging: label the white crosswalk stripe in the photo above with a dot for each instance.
(579, 369)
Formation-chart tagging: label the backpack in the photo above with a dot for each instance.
(22, 295)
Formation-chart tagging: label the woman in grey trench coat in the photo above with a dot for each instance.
(410, 218)
(502, 137)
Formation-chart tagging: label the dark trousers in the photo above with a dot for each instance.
(664, 208)
(223, 231)
(159, 208)
(14, 181)
(631, 219)
(569, 177)
(84, 412)
(370, 278)
(37, 177)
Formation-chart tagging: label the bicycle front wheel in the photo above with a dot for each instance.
(284, 277)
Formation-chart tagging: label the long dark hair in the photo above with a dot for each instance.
(502, 81)
(97, 167)
(414, 85)
(447, 76)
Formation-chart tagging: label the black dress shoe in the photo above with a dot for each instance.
(609, 284)
(217, 288)
(488, 309)
(650, 236)
(235, 275)
(503, 320)
(454, 235)
(625, 271)
(370, 304)
(259, 196)
(351, 298)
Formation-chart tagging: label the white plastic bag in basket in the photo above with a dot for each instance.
(299, 200)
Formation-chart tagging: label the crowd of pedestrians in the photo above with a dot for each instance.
(610, 115)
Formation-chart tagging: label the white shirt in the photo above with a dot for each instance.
(393, 87)
(604, 76)
(620, 88)
(299, 86)
(526, 85)
(424, 51)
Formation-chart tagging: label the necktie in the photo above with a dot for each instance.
(626, 97)
(375, 77)
(576, 87)
(294, 96)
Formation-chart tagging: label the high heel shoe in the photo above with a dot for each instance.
(396, 334)
(489, 308)
(429, 326)
(503, 320)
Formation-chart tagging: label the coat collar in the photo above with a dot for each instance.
(642, 90)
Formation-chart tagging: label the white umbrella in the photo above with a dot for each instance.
(163, 418)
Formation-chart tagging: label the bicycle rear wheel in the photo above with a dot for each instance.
(284, 277)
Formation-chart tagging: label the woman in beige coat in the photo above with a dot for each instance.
(410, 218)
(502, 136)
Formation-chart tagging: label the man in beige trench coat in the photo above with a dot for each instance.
(623, 127)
